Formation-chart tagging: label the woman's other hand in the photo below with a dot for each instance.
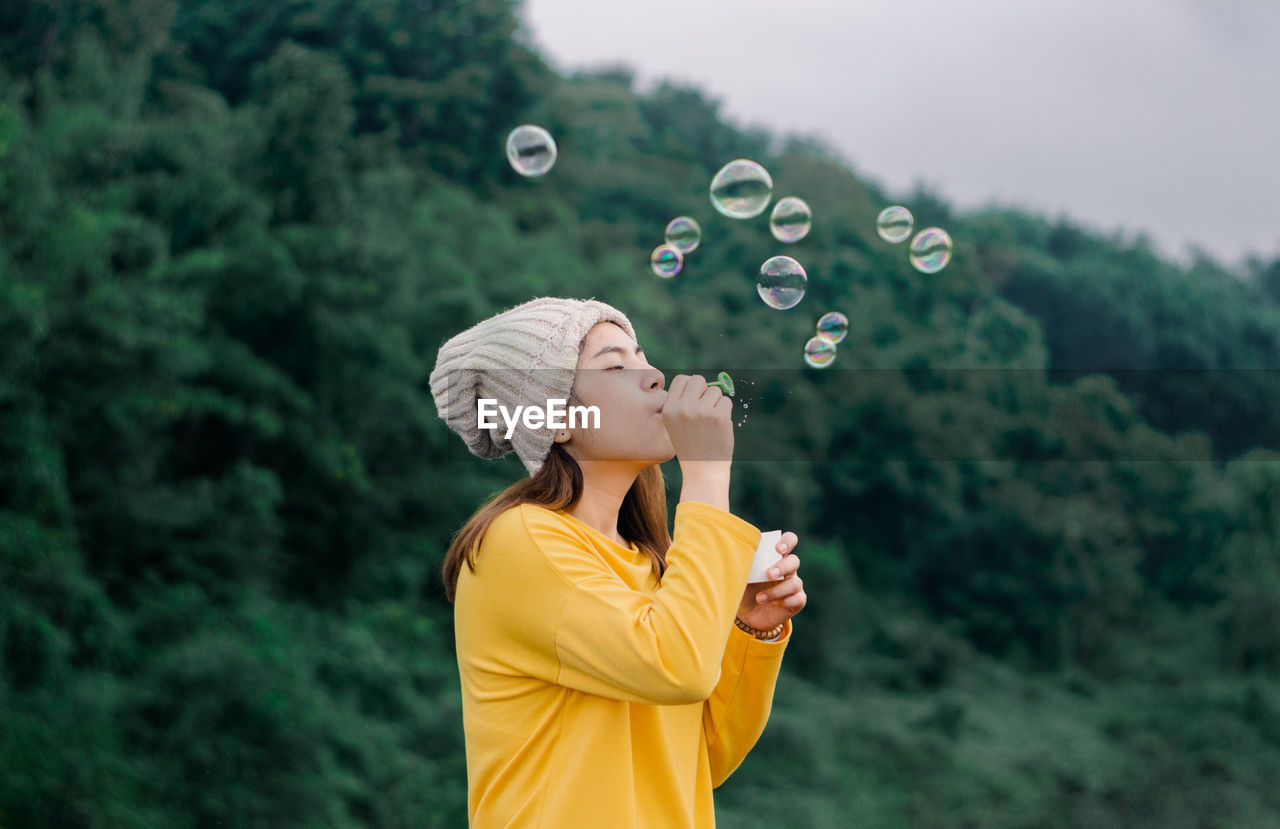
(766, 605)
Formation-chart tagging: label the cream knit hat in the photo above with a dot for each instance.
(523, 356)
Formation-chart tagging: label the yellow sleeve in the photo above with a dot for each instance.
(610, 640)
(734, 716)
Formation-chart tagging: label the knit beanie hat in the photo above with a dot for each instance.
(523, 356)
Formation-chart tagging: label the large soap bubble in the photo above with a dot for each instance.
(782, 282)
(894, 223)
(684, 233)
(931, 250)
(819, 352)
(790, 220)
(742, 189)
(833, 326)
(531, 150)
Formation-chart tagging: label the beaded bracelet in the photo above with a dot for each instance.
(759, 634)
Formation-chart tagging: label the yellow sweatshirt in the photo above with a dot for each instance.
(592, 696)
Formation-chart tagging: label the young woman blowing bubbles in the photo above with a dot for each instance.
(612, 673)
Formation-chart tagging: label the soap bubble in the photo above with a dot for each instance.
(782, 282)
(894, 223)
(819, 352)
(742, 189)
(666, 261)
(684, 234)
(931, 250)
(531, 150)
(790, 220)
(746, 404)
(833, 326)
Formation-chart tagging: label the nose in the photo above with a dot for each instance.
(655, 379)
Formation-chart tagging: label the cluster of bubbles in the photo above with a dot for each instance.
(742, 189)
(820, 350)
(929, 251)
(682, 236)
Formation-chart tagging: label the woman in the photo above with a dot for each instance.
(612, 674)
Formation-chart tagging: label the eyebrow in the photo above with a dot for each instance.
(619, 349)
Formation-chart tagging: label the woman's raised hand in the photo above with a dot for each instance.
(699, 420)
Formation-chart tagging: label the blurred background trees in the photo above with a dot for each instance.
(1038, 492)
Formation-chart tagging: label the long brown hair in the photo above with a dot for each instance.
(642, 518)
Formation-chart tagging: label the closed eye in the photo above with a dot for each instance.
(611, 368)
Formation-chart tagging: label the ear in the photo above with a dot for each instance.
(561, 436)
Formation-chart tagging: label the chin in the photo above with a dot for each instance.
(658, 457)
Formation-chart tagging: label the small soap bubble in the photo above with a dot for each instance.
(931, 250)
(790, 220)
(833, 326)
(684, 234)
(894, 224)
(742, 189)
(819, 352)
(666, 261)
(531, 150)
(782, 282)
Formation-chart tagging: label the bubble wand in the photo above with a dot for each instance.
(724, 382)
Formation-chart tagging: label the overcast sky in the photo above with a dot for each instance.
(1153, 115)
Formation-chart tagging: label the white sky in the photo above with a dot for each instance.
(1153, 115)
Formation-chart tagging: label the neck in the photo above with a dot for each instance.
(604, 485)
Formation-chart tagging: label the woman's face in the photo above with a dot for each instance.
(614, 375)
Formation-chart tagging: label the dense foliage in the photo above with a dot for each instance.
(1037, 494)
